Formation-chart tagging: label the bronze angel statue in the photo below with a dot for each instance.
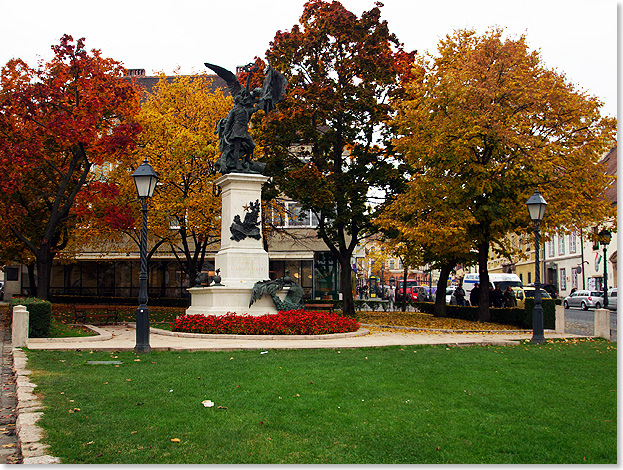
(235, 142)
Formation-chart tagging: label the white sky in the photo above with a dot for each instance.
(578, 38)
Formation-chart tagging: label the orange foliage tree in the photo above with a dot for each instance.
(57, 122)
(484, 124)
(178, 119)
(322, 146)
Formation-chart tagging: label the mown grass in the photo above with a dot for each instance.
(61, 330)
(553, 403)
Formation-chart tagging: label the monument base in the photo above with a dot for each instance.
(242, 261)
(220, 300)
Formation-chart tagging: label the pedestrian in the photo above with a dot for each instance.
(459, 295)
(392, 297)
(509, 298)
(498, 296)
(474, 295)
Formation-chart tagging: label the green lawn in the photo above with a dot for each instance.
(554, 403)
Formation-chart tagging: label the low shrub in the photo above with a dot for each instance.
(39, 315)
(549, 313)
(521, 317)
(183, 302)
(292, 322)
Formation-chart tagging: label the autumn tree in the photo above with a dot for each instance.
(178, 119)
(321, 147)
(485, 123)
(57, 122)
(439, 246)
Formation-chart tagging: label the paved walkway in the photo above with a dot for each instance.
(123, 338)
(9, 448)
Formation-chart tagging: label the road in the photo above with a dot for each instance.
(582, 322)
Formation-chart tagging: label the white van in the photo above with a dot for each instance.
(502, 279)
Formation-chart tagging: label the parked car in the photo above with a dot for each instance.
(521, 294)
(399, 289)
(449, 292)
(612, 299)
(584, 299)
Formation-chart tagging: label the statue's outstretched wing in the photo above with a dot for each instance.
(233, 85)
(273, 89)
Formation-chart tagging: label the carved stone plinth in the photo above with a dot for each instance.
(242, 262)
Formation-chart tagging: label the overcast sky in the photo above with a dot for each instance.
(578, 38)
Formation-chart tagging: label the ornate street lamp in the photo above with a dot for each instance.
(145, 179)
(604, 239)
(536, 206)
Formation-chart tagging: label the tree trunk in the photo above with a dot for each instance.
(44, 273)
(32, 279)
(404, 288)
(442, 284)
(483, 304)
(348, 302)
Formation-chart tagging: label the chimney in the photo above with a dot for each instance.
(136, 72)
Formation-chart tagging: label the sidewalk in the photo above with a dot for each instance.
(123, 338)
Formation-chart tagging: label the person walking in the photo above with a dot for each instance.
(497, 297)
(459, 295)
(392, 297)
(474, 295)
(509, 298)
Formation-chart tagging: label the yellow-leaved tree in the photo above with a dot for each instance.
(178, 119)
(484, 125)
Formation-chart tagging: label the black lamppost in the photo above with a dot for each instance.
(145, 179)
(536, 206)
(604, 239)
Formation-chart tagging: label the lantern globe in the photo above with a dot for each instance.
(536, 206)
(145, 179)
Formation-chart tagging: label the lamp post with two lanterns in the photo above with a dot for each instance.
(145, 179)
(536, 207)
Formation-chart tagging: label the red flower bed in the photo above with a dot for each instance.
(293, 322)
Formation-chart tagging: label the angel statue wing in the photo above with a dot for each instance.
(233, 85)
(273, 89)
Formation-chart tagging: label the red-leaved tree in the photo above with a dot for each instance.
(57, 122)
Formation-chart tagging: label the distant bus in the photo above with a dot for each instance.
(495, 279)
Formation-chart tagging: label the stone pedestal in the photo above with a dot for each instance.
(602, 323)
(19, 330)
(241, 262)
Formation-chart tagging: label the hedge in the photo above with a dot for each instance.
(98, 300)
(39, 315)
(521, 317)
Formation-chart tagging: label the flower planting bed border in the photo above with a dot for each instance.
(352, 334)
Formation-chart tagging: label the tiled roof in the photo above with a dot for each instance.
(147, 83)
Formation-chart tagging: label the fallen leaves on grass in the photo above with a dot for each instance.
(427, 321)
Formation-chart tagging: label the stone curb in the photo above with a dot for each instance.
(29, 410)
(353, 334)
(103, 335)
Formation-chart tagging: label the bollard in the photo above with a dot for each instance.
(602, 323)
(560, 319)
(19, 331)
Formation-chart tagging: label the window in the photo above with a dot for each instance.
(572, 243)
(574, 278)
(552, 252)
(563, 279)
(295, 216)
(561, 244)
